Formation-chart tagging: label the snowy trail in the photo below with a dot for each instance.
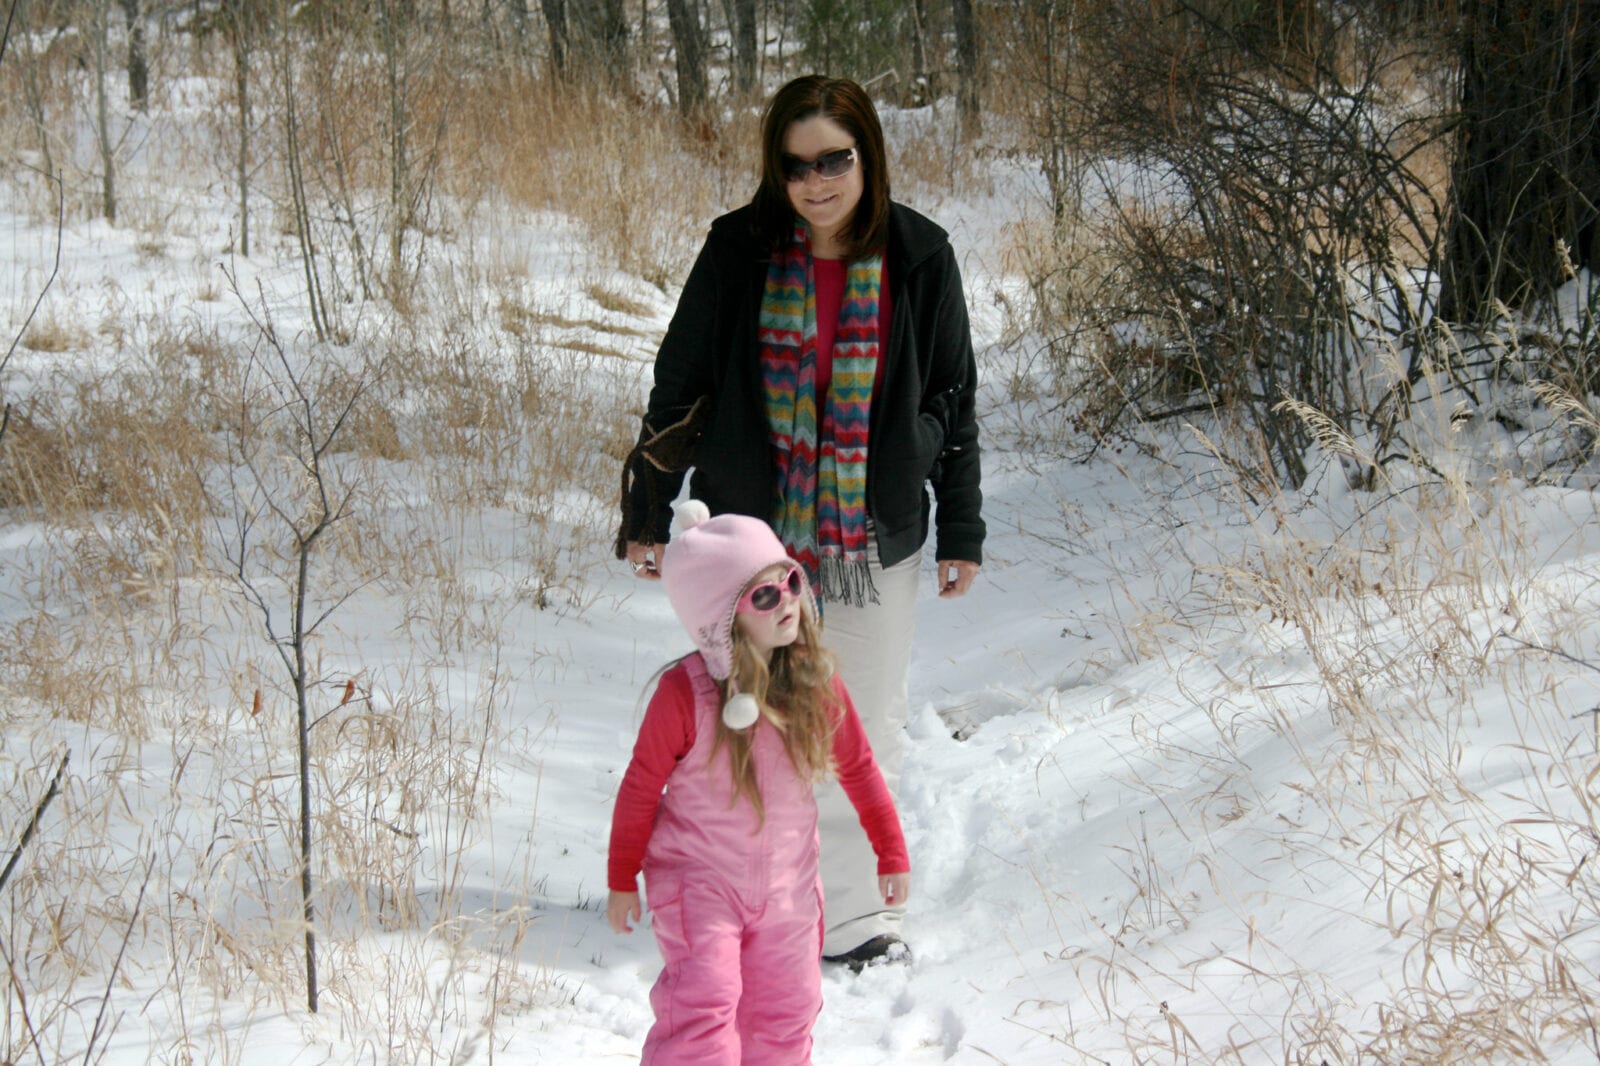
(1006, 827)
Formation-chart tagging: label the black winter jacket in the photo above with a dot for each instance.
(924, 428)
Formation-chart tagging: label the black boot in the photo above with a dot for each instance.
(882, 950)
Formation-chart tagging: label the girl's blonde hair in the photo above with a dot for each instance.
(795, 693)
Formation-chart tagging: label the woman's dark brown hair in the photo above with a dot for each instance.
(847, 104)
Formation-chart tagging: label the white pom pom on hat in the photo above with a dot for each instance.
(688, 514)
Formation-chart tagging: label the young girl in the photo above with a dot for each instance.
(736, 733)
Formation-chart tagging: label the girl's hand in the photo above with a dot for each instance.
(620, 908)
(894, 887)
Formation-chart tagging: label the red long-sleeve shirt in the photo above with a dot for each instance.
(667, 734)
(829, 276)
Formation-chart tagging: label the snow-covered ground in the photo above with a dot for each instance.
(1194, 775)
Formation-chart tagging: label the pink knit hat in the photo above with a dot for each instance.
(706, 566)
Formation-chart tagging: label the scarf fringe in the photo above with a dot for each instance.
(846, 581)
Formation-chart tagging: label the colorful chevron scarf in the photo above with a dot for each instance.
(820, 499)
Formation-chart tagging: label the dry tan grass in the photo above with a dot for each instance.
(1393, 618)
(597, 160)
(1409, 622)
(121, 473)
(51, 334)
(618, 302)
(929, 162)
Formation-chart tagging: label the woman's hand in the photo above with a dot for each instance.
(955, 576)
(645, 559)
(895, 888)
(621, 907)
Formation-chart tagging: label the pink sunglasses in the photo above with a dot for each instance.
(765, 597)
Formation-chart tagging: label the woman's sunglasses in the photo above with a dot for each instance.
(828, 165)
(765, 597)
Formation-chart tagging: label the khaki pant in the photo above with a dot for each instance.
(873, 646)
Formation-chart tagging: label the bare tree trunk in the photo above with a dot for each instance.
(921, 83)
(1526, 177)
(612, 33)
(240, 30)
(304, 546)
(688, 43)
(294, 167)
(599, 39)
(518, 10)
(395, 22)
(555, 19)
(338, 155)
(1053, 23)
(108, 179)
(5, 34)
(766, 23)
(968, 104)
(138, 58)
(33, 91)
(742, 28)
(302, 217)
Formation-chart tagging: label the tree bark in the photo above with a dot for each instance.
(555, 18)
(108, 173)
(1525, 182)
(240, 29)
(742, 28)
(519, 20)
(687, 41)
(921, 83)
(395, 20)
(138, 57)
(968, 87)
(610, 33)
(33, 90)
(5, 33)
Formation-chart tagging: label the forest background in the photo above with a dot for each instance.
(328, 324)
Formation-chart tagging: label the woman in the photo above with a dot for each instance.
(818, 373)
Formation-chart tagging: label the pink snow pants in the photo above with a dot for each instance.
(736, 906)
(739, 985)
